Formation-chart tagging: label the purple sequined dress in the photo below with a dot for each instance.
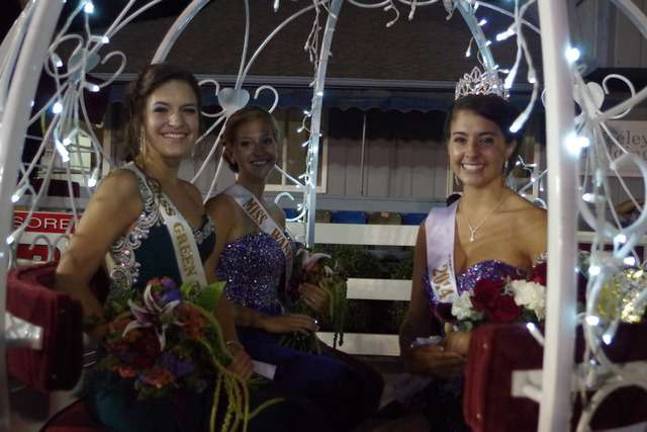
(442, 400)
(253, 267)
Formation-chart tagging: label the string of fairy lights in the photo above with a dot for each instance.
(617, 287)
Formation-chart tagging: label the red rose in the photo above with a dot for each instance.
(489, 298)
(505, 310)
(485, 294)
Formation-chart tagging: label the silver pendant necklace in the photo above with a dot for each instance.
(474, 229)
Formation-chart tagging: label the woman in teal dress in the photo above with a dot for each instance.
(133, 218)
(490, 233)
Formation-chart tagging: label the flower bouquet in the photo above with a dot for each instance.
(168, 340)
(498, 301)
(321, 270)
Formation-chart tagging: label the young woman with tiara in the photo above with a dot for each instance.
(254, 256)
(489, 233)
(138, 216)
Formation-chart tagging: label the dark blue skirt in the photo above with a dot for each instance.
(320, 380)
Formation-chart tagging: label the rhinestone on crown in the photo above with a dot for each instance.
(480, 83)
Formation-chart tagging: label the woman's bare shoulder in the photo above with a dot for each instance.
(120, 188)
(192, 191)
(221, 204)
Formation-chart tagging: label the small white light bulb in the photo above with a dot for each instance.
(88, 8)
(20, 192)
(572, 54)
(592, 320)
(57, 108)
(576, 143)
(92, 181)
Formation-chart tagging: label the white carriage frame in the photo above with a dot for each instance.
(37, 23)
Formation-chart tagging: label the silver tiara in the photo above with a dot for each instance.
(480, 83)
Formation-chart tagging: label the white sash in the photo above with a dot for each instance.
(187, 255)
(440, 227)
(259, 215)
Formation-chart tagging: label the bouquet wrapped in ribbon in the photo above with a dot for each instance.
(168, 340)
(321, 270)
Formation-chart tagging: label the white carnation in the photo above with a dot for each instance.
(529, 295)
(462, 307)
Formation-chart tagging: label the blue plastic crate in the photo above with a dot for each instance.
(349, 217)
(413, 218)
(290, 213)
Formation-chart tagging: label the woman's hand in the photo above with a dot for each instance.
(435, 360)
(316, 297)
(241, 363)
(288, 323)
(458, 342)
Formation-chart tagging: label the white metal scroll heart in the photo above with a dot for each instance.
(596, 98)
(231, 99)
(75, 63)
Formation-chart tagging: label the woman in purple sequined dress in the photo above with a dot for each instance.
(253, 257)
(489, 233)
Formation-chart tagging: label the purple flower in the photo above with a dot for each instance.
(171, 295)
(178, 367)
(168, 284)
(170, 291)
(153, 314)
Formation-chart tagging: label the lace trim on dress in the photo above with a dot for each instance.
(126, 270)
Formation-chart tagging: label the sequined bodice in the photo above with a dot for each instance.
(466, 280)
(146, 250)
(253, 266)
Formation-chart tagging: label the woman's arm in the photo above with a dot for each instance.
(418, 322)
(111, 210)
(535, 230)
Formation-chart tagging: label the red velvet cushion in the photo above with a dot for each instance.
(74, 418)
(497, 350)
(30, 297)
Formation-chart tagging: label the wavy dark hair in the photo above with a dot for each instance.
(150, 79)
(241, 117)
(497, 110)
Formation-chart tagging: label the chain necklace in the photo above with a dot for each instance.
(474, 229)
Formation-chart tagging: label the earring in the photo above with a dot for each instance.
(505, 167)
(457, 181)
